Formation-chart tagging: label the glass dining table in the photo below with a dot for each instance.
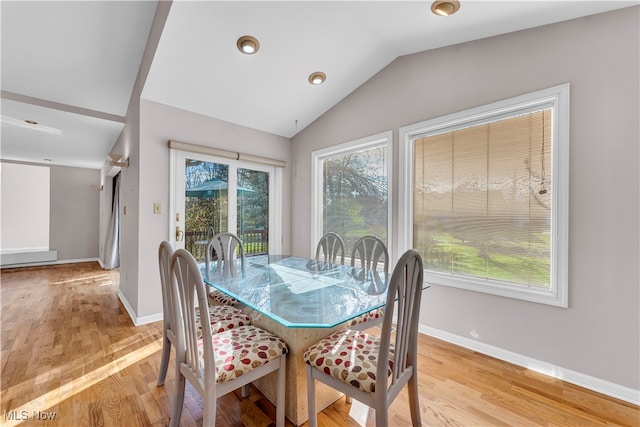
(302, 293)
(302, 301)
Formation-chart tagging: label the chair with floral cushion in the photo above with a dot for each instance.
(216, 364)
(329, 247)
(369, 368)
(372, 369)
(370, 253)
(224, 245)
(221, 318)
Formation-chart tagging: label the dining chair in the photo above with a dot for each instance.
(372, 369)
(329, 247)
(216, 364)
(369, 252)
(224, 245)
(221, 318)
(372, 256)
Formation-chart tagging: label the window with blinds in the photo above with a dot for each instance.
(482, 200)
(488, 195)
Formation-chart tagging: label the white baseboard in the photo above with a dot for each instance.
(596, 384)
(40, 264)
(148, 319)
(127, 306)
(34, 256)
(137, 321)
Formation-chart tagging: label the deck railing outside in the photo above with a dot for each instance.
(256, 242)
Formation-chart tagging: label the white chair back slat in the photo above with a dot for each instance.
(330, 246)
(405, 292)
(165, 251)
(228, 247)
(369, 252)
(189, 288)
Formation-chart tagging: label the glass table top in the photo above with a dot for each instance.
(302, 293)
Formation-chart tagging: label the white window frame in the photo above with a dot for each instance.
(276, 187)
(557, 98)
(317, 156)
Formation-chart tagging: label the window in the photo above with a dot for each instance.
(351, 190)
(213, 194)
(484, 197)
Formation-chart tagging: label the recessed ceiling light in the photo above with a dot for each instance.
(248, 45)
(28, 124)
(317, 78)
(445, 7)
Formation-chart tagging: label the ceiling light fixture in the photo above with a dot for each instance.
(317, 78)
(248, 45)
(445, 7)
(28, 124)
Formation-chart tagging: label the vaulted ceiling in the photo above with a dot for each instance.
(70, 66)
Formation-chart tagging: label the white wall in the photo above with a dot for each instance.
(25, 207)
(599, 334)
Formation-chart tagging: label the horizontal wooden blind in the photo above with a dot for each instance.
(482, 199)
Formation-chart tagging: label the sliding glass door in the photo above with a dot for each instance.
(213, 195)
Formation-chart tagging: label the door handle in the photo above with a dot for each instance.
(179, 234)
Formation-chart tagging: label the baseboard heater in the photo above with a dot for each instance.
(9, 259)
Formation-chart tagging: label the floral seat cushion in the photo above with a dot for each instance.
(221, 298)
(376, 314)
(223, 318)
(349, 356)
(241, 350)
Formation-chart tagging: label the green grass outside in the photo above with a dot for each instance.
(514, 263)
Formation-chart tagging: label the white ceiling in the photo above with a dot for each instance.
(61, 56)
(85, 56)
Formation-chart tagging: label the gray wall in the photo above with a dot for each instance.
(158, 124)
(132, 280)
(74, 209)
(599, 334)
(75, 212)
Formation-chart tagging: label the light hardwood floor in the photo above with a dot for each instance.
(70, 349)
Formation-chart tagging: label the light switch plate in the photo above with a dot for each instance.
(156, 208)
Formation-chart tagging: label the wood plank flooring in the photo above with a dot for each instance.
(69, 351)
